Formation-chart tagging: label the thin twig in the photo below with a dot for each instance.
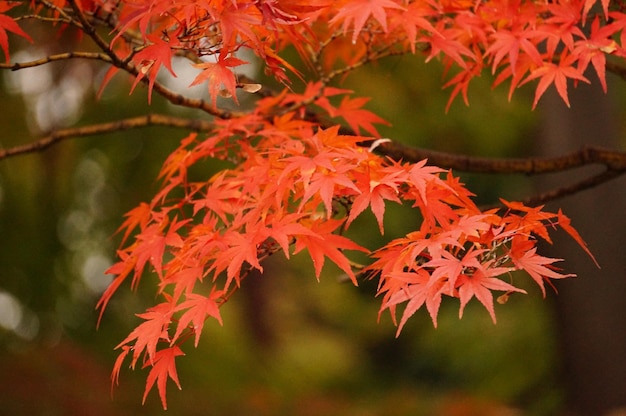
(58, 57)
(574, 188)
(114, 126)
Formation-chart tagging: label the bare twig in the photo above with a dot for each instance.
(58, 57)
(114, 126)
(572, 189)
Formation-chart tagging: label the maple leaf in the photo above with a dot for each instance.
(184, 280)
(374, 192)
(557, 74)
(122, 270)
(236, 26)
(460, 83)
(219, 77)
(590, 3)
(136, 217)
(479, 284)
(115, 374)
(444, 42)
(238, 248)
(358, 12)
(148, 334)
(326, 244)
(414, 19)
(510, 43)
(418, 291)
(565, 224)
(163, 367)
(351, 109)
(152, 243)
(533, 220)
(284, 229)
(595, 48)
(524, 255)
(150, 59)
(450, 267)
(198, 307)
(420, 175)
(324, 183)
(8, 24)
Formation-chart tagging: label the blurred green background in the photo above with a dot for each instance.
(289, 345)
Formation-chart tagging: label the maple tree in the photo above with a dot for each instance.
(306, 160)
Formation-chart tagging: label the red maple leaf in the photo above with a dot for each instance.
(479, 284)
(418, 290)
(524, 255)
(449, 267)
(150, 59)
(375, 190)
(509, 44)
(8, 24)
(595, 48)
(359, 11)
(198, 309)
(148, 334)
(351, 109)
(557, 74)
(326, 244)
(565, 224)
(153, 241)
(163, 367)
(220, 78)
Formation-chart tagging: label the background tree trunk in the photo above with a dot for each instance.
(591, 309)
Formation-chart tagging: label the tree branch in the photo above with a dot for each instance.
(114, 126)
(611, 159)
(580, 186)
(614, 162)
(59, 57)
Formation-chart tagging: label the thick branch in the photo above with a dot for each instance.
(611, 159)
(94, 129)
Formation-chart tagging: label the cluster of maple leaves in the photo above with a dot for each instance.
(297, 181)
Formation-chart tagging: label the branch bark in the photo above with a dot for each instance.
(114, 126)
(611, 159)
(58, 57)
